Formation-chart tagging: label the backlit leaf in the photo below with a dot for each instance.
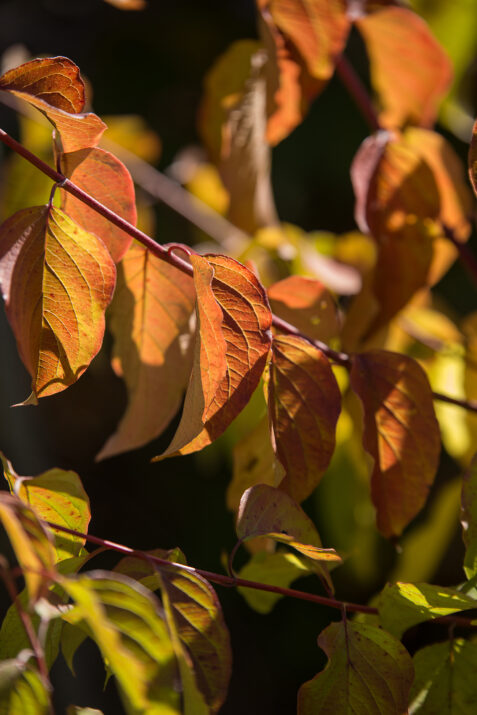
(27, 697)
(368, 671)
(124, 620)
(307, 304)
(267, 511)
(30, 541)
(56, 496)
(232, 344)
(128, 4)
(409, 90)
(445, 678)
(149, 319)
(403, 605)
(103, 176)
(304, 404)
(401, 433)
(57, 281)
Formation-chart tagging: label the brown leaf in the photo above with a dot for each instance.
(100, 174)
(401, 433)
(307, 304)
(409, 90)
(473, 159)
(232, 345)
(149, 319)
(57, 281)
(304, 403)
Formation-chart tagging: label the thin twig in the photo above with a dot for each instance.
(466, 256)
(358, 91)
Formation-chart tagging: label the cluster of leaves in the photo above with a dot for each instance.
(205, 326)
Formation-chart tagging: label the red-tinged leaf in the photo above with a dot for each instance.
(31, 542)
(304, 404)
(57, 281)
(55, 80)
(150, 321)
(369, 671)
(100, 174)
(307, 304)
(473, 159)
(401, 433)
(318, 28)
(232, 345)
(128, 4)
(411, 89)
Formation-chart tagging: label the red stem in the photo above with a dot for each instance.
(358, 91)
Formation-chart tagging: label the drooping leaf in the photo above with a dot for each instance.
(57, 281)
(150, 321)
(409, 90)
(53, 85)
(56, 496)
(232, 344)
(267, 511)
(368, 671)
(403, 605)
(445, 678)
(307, 304)
(401, 433)
(304, 404)
(124, 620)
(30, 541)
(28, 695)
(101, 175)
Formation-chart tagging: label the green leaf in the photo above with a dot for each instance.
(124, 620)
(403, 605)
(469, 517)
(56, 496)
(278, 569)
(27, 697)
(368, 671)
(445, 680)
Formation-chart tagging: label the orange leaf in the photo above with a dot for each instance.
(473, 159)
(411, 88)
(304, 403)
(232, 345)
(307, 304)
(401, 433)
(103, 176)
(57, 281)
(149, 319)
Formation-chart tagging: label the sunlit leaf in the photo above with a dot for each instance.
(304, 402)
(128, 4)
(57, 281)
(409, 90)
(149, 319)
(30, 541)
(56, 496)
(401, 433)
(232, 344)
(368, 671)
(403, 605)
(103, 176)
(28, 696)
(124, 620)
(445, 678)
(307, 304)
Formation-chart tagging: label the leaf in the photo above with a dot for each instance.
(445, 678)
(30, 541)
(277, 569)
(473, 159)
(53, 85)
(368, 671)
(56, 496)
(12, 669)
(28, 697)
(128, 4)
(232, 345)
(306, 304)
(403, 605)
(304, 405)
(267, 511)
(401, 433)
(123, 618)
(150, 321)
(409, 91)
(57, 281)
(103, 176)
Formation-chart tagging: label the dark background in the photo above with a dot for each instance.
(153, 63)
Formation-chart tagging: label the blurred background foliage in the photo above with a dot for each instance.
(152, 64)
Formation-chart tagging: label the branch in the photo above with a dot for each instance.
(169, 256)
(466, 256)
(358, 91)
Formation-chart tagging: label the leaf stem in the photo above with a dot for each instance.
(358, 91)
